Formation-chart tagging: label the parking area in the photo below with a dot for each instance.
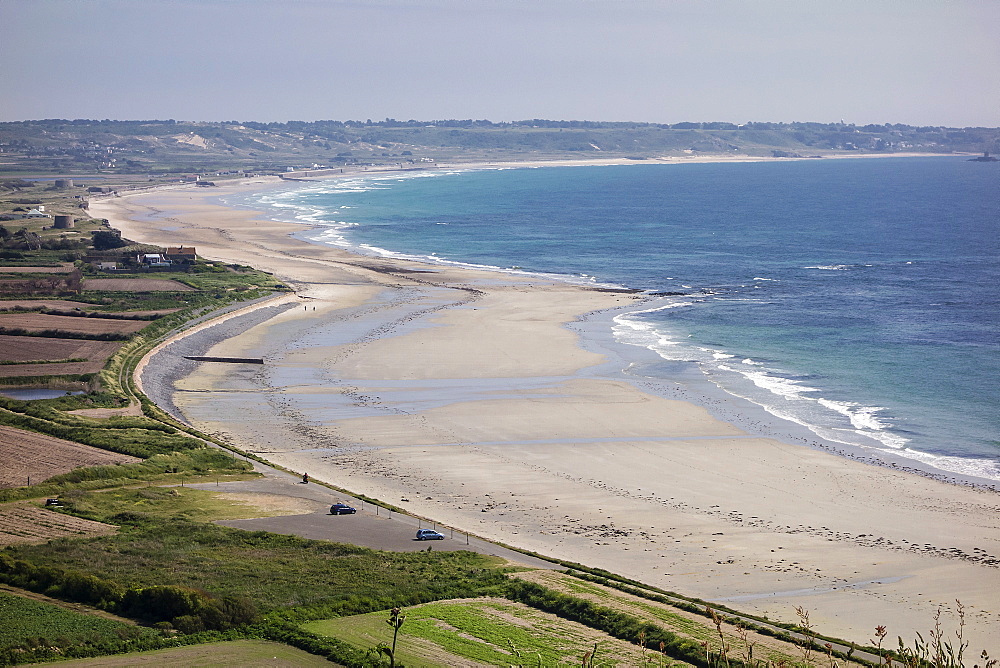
(371, 526)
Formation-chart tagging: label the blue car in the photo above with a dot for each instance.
(342, 509)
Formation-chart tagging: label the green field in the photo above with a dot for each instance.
(31, 624)
(25, 619)
(491, 631)
(234, 654)
(191, 504)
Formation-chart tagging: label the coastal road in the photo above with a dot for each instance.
(372, 526)
(376, 527)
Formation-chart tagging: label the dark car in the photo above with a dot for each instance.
(342, 509)
(428, 534)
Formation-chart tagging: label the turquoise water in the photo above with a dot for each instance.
(859, 298)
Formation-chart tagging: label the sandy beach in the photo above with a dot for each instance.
(497, 404)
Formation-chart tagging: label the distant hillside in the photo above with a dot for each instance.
(138, 147)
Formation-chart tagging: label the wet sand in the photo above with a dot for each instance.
(483, 401)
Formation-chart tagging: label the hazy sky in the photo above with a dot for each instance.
(920, 62)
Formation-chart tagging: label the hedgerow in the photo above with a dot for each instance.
(333, 649)
(614, 623)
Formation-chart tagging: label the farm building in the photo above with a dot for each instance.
(181, 253)
(153, 260)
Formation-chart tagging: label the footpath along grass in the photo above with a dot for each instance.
(491, 631)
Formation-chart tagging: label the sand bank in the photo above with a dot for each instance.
(689, 157)
(465, 397)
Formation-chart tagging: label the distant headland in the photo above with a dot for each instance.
(157, 147)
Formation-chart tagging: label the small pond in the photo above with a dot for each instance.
(36, 393)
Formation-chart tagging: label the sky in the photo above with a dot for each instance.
(919, 62)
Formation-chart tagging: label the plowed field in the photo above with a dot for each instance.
(135, 285)
(64, 369)
(60, 304)
(41, 321)
(65, 269)
(25, 454)
(27, 522)
(40, 349)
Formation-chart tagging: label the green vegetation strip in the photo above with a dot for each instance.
(58, 382)
(759, 624)
(175, 468)
(125, 436)
(64, 361)
(64, 334)
(701, 631)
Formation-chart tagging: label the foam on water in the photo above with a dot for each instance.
(827, 292)
(779, 393)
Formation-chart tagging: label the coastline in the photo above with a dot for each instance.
(464, 392)
(692, 158)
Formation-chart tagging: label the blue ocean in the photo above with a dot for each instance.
(857, 297)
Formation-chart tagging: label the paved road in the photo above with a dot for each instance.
(372, 526)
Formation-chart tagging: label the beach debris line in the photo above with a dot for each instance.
(229, 360)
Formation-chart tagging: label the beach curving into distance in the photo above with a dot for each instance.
(496, 403)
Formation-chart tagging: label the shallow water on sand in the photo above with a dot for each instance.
(860, 298)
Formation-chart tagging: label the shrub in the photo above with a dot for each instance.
(188, 610)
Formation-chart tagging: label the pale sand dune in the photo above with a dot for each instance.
(465, 393)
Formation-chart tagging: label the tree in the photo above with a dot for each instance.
(106, 240)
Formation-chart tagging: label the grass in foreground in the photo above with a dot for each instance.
(26, 619)
(273, 571)
(30, 626)
(491, 631)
